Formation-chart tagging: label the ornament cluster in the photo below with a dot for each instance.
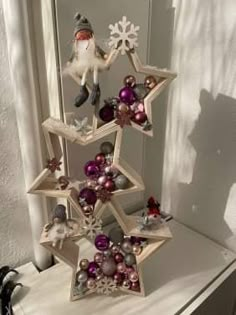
(114, 264)
(129, 105)
(103, 179)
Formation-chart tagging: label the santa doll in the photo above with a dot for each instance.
(152, 218)
(87, 57)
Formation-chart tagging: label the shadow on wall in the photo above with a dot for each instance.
(202, 203)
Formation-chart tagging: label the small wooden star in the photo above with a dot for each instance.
(53, 165)
(123, 118)
(104, 195)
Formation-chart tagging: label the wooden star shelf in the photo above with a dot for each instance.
(70, 252)
(48, 182)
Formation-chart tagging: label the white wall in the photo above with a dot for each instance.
(200, 147)
(15, 234)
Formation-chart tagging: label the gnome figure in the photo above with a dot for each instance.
(87, 57)
(59, 229)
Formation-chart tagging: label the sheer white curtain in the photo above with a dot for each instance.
(31, 106)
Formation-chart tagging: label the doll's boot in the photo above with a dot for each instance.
(82, 97)
(95, 94)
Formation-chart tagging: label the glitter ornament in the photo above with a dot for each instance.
(102, 242)
(84, 263)
(126, 246)
(91, 169)
(121, 182)
(130, 259)
(127, 95)
(106, 147)
(89, 195)
(91, 283)
(116, 235)
(129, 81)
(108, 266)
(92, 269)
(98, 258)
(150, 82)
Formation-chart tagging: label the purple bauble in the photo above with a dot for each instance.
(102, 242)
(106, 113)
(127, 95)
(137, 240)
(89, 195)
(92, 269)
(118, 278)
(91, 169)
(118, 258)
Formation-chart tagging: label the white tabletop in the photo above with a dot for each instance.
(174, 276)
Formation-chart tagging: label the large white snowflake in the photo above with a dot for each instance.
(123, 35)
(106, 286)
(90, 227)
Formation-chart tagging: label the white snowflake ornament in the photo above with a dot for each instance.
(90, 227)
(123, 35)
(106, 286)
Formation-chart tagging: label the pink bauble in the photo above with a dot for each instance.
(135, 286)
(91, 183)
(133, 276)
(91, 283)
(91, 169)
(98, 258)
(109, 185)
(118, 278)
(121, 268)
(140, 107)
(140, 117)
(100, 158)
(127, 95)
(89, 195)
(102, 179)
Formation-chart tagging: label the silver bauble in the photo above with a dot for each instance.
(106, 147)
(130, 259)
(121, 182)
(82, 276)
(140, 91)
(116, 235)
(108, 266)
(126, 246)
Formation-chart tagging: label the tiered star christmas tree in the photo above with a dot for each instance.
(119, 252)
